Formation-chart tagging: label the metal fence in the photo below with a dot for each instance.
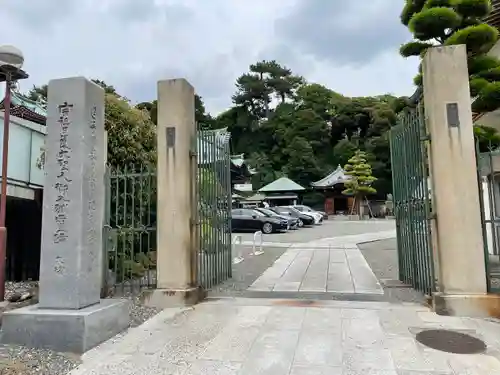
(130, 219)
(130, 228)
(489, 199)
(412, 204)
(214, 207)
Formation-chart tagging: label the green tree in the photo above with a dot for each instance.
(151, 108)
(343, 151)
(327, 127)
(131, 133)
(264, 80)
(38, 93)
(452, 22)
(202, 117)
(360, 179)
(487, 138)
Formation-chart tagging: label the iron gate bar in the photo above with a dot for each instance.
(411, 200)
(131, 233)
(486, 179)
(214, 202)
(130, 218)
(484, 220)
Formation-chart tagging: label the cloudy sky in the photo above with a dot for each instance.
(349, 46)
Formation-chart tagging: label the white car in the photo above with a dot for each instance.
(318, 218)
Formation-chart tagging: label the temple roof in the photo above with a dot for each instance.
(32, 105)
(26, 108)
(282, 184)
(239, 161)
(338, 176)
(493, 19)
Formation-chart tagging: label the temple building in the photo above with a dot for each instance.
(22, 107)
(25, 179)
(282, 192)
(332, 186)
(241, 174)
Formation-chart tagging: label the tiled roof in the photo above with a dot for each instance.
(338, 176)
(26, 108)
(282, 184)
(37, 107)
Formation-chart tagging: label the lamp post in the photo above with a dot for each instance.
(11, 62)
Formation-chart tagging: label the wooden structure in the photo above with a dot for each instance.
(332, 186)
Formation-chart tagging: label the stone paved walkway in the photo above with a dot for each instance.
(327, 265)
(289, 337)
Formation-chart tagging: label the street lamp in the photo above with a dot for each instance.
(11, 63)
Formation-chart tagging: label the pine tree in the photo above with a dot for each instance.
(453, 22)
(360, 179)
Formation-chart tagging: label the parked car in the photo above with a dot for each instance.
(318, 218)
(250, 219)
(303, 219)
(307, 209)
(293, 222)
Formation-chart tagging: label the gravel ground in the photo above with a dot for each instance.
(17, 360)
(21, 287)
(382, 257)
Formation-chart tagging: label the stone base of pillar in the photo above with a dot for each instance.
(468, 305)
(73, 331)
(164, 298)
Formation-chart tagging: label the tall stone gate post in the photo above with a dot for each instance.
(176, 207)
(70, 316)
(460, 267)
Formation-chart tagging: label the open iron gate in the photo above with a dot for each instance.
(214, 207)
(130, 219)
(412, 200)
(488, 168)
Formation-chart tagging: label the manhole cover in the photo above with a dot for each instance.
(451, 341)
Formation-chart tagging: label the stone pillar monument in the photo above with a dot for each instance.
(458, 237)
(176, 173)
(73, 316)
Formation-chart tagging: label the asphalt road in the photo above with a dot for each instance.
(329, 228)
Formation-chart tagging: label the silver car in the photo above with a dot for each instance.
(306, 209)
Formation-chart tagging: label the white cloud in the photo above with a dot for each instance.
(131, 44)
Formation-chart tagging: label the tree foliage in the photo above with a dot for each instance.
(487, 138)
(452, 22)
(283, 124)
(288, 126)
(360, 176)
(202, 118)
(131, 132)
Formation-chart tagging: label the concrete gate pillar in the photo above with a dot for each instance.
(176, 197)
(458, 237)
(70, 316)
